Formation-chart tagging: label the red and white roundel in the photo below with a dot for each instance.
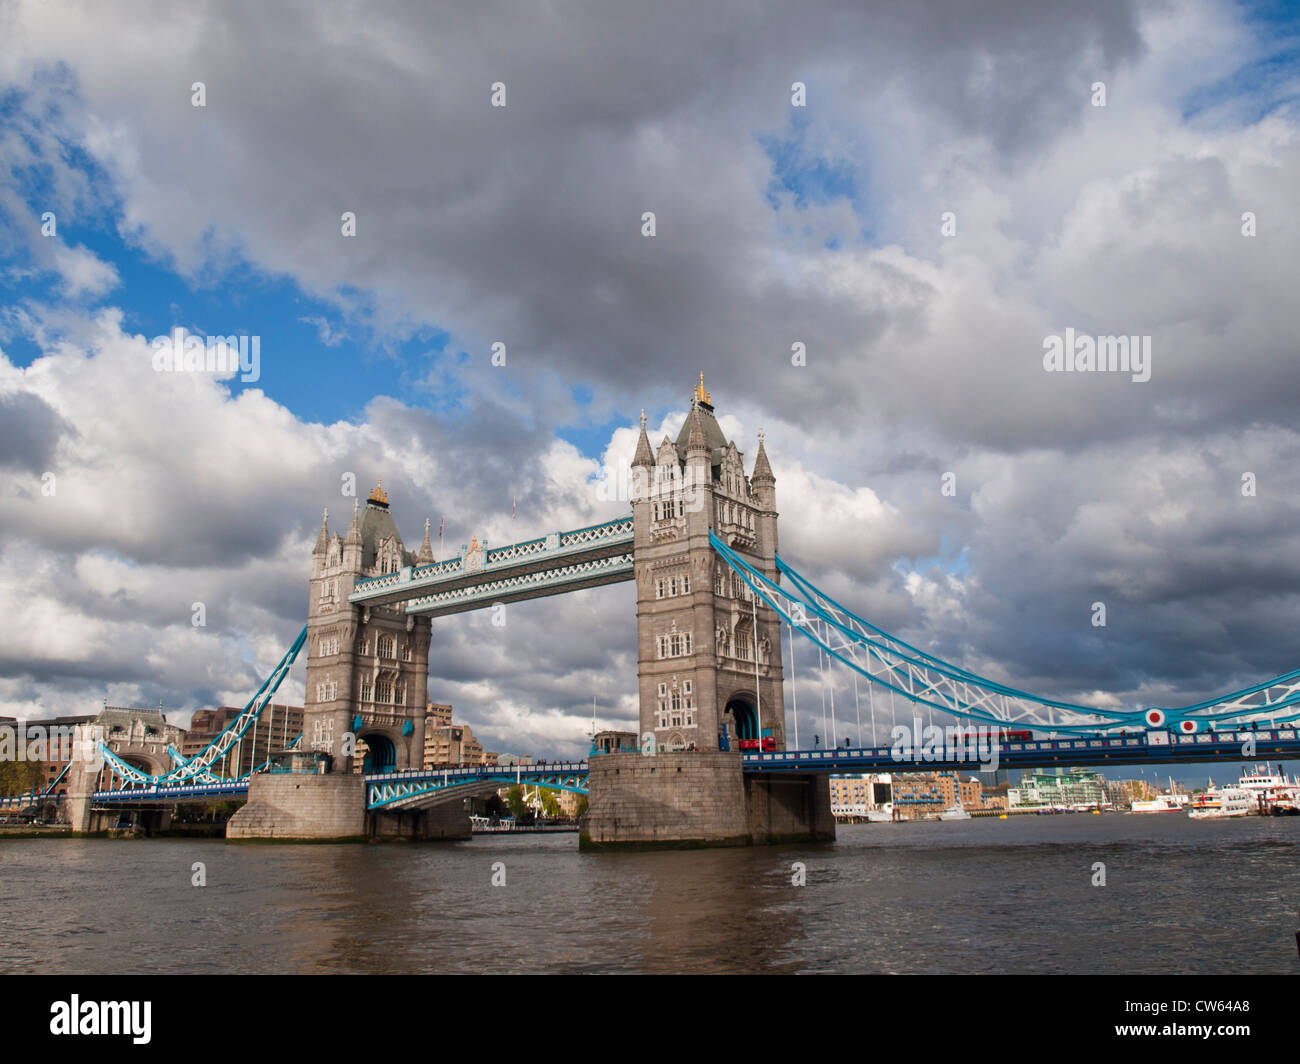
(1188, 727)
(1155, 718)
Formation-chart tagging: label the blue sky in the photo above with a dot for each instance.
(776, 224)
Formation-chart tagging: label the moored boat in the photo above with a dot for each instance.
(1163, 803)
(1228, 802)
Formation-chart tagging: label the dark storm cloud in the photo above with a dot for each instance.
(29, 432)
(523, 225)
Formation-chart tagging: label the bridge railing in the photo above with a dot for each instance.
(554, 545)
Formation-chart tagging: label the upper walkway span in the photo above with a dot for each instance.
(549, 565)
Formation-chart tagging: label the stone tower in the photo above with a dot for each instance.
(696, 638)
(367, 666)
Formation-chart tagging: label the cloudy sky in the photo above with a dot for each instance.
(960, 182)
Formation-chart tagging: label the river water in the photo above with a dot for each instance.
(1016, 895)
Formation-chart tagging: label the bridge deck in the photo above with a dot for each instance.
(386, 790)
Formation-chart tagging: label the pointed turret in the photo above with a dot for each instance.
(354, 530)
(762, 468)
(696, 444)
(323, 540)
(425, 557)
(644, 456)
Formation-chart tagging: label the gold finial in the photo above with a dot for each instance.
(473, 542)
(700, 393)
(378, 495)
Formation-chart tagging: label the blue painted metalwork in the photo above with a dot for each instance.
(35, 797)
(230, 789)
(561, 561)
(411, 788)
(924, 679)
(1148, 748)
(196, 769)
(415, 787)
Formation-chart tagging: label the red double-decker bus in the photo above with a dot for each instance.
(1003, 735)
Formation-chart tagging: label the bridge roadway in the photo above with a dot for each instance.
(396, 790)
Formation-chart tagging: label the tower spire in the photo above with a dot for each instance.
(644, 456)
(700, 394)
(354, 529)
(322, 541)
(696, 443)
(425, 557)
(762, 468)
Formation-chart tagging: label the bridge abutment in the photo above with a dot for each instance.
(449, 822)
(293, 806)
(789, 809)
(671, 801)
(698, 799)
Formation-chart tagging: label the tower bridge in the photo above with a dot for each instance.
(712, 596)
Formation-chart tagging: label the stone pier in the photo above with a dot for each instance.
(303, 807)
(698, 799)
(789, 808)
(440, 822)
(306, 807)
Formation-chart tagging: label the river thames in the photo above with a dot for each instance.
(982, 896)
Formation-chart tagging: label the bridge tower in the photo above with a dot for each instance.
(708, 659)
(367, 666)
(700, 632)
(368, 677)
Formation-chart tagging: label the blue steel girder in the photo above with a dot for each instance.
(422, 787)
(925, 680)
(417, 787)
(550, 565)
(173, 793)
(1113, 751)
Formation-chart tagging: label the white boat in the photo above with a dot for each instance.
(1271, 790)
(1163, 803)
(954, 812)
(1172, 801)
(1230, 801)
